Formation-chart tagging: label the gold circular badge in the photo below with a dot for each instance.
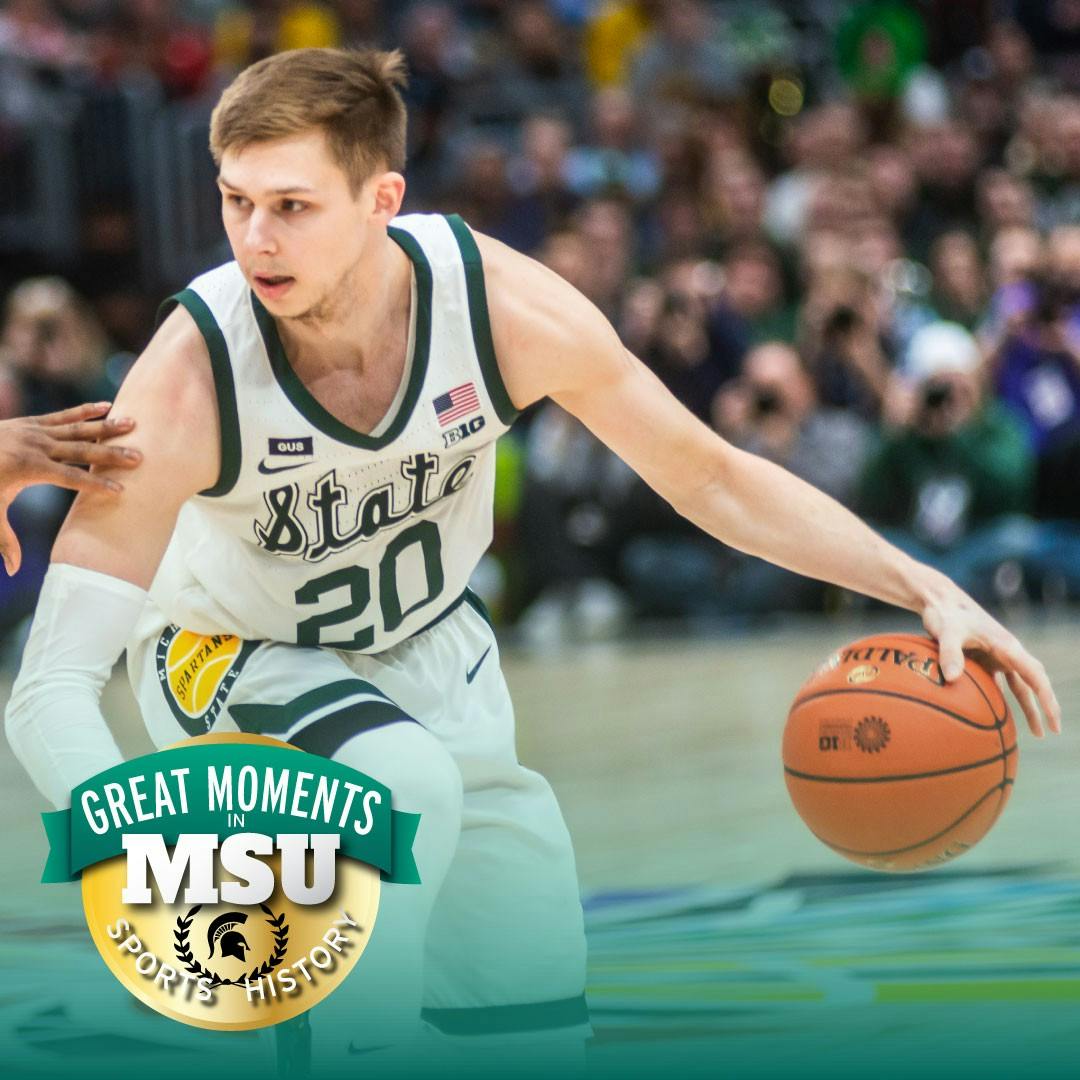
(231, 966)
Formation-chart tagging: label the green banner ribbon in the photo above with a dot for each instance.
(227, 788)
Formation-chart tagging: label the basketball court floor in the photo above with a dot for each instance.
(724, 939)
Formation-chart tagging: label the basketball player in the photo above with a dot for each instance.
(318, 421)
(46, 449)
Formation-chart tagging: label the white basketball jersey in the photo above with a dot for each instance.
(315, 533)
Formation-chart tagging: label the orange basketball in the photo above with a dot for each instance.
(891, 767)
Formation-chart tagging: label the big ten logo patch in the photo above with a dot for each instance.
(233, 881)
(196, 673)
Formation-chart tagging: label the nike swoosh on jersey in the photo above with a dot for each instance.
(266, 470)
(471, 673)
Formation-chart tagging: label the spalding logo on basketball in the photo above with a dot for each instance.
(898, 770)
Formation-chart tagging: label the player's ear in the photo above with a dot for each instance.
(388, 191)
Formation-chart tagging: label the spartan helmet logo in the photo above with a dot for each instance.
(223, 929)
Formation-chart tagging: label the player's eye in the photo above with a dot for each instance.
(293, 206)
(238, 201)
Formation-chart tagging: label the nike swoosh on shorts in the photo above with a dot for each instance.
(471, 673)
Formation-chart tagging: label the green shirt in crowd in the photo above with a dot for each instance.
(941, 489)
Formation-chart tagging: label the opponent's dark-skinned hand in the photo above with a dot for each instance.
(47, 450)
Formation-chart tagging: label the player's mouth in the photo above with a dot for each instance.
(272, 286)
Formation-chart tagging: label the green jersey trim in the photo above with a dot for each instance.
(228, 418)
(481, 321)
(302, 399)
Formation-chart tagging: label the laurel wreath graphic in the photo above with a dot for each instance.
(182, 948)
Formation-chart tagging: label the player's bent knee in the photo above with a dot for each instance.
(423, 779)
(409, 760)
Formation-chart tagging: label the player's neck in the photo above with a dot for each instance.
(354, 326)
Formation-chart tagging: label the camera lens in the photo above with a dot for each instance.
(936, 395)
(766, 401)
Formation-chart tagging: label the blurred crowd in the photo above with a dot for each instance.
(844, 235)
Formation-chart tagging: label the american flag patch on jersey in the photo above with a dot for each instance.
(456, 403)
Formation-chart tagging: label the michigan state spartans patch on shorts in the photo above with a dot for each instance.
(196, 673)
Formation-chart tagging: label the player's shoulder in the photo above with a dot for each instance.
(173, 375)
(544, 329)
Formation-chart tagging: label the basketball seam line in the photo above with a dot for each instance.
(901, 776)
(999, 722)
(921, 843)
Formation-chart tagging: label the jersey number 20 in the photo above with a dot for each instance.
(358, 580)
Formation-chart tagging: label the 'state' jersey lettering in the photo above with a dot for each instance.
(315, 533)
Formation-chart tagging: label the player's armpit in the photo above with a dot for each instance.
(170, 396)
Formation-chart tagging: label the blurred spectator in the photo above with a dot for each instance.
(734, 198)
(879, 44)
(440, 59)
(615, 158)
(681, 58)
(485, 197)
(751, 307)
(1005, 202)
(606, 228)
(575, 518)
(680, 354)
(531, 69)
(1015, 255)
(56, 357)
(821, 140)
(33, 32)
(538, 173)
(1037, 364)
(959, 291)
(948, 483)
(842, 336)
(946, 160)
(772, 411)
(615, 36)
(55, 345)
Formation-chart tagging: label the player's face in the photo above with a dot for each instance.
(298, 233)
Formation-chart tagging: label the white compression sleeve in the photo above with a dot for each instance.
(53, 720)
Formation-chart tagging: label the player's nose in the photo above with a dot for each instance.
(259, 234)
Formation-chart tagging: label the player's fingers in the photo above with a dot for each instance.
(68, 476)
(1023, 694)
(91, 453)
(951, 655)
(92, 430)
(74, 415)
(9, 545)
(1015, 658)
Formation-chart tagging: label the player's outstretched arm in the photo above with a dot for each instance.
(46, 449)
(104, 560)
(551, 341)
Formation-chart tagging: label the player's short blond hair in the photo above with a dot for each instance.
(353, 95)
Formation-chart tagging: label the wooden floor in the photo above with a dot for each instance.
(665, 757)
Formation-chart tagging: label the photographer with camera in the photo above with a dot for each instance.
(1037, 359)
(772, 410)
(842, 330)
(951, 484)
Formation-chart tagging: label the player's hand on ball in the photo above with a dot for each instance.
(960, 626)
(47, 449)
